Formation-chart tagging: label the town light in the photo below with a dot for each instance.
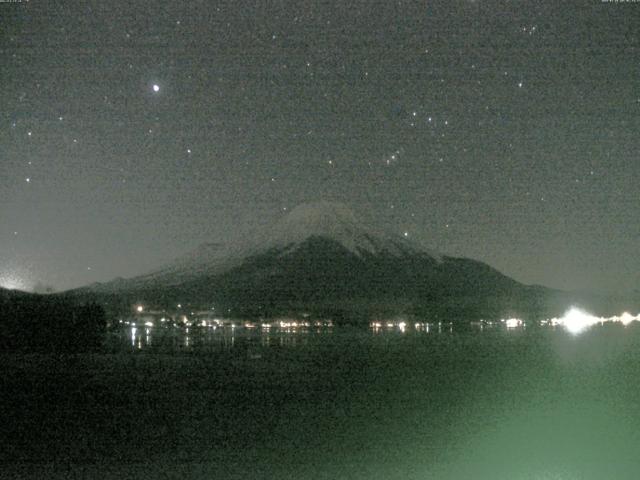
(513, 322)
(575, 320)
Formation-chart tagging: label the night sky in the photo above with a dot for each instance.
(131, 132)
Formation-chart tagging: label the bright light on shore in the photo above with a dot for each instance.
(513, 322)
(626, 318)
(577, 321)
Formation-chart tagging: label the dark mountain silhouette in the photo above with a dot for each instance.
(321, 259)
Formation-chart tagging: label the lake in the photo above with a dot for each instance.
(329, 403)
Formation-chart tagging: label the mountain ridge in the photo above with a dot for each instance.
(331, 220)
(321, 258)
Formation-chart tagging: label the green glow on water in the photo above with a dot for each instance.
(349, 404)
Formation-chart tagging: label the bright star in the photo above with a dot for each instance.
(156, 88)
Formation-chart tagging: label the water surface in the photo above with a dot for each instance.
(330, 403)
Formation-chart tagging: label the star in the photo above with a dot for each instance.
(156, 87)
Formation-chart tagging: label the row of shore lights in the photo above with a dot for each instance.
(576, 321)
(140, 308)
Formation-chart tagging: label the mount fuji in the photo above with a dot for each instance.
(321, 258)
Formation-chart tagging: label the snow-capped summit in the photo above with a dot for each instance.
(337, 222)
(321, 257)
(330, 222)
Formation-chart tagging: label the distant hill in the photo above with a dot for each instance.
(322, 259)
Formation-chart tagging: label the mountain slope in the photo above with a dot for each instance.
(322, 258)
(328, 220)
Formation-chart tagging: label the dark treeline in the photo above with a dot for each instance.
(34, 323)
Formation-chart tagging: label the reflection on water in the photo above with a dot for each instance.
(167, 337)
(218, 334)
(407, 326)
(171, 337)
(224, 335)
(395, 399)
